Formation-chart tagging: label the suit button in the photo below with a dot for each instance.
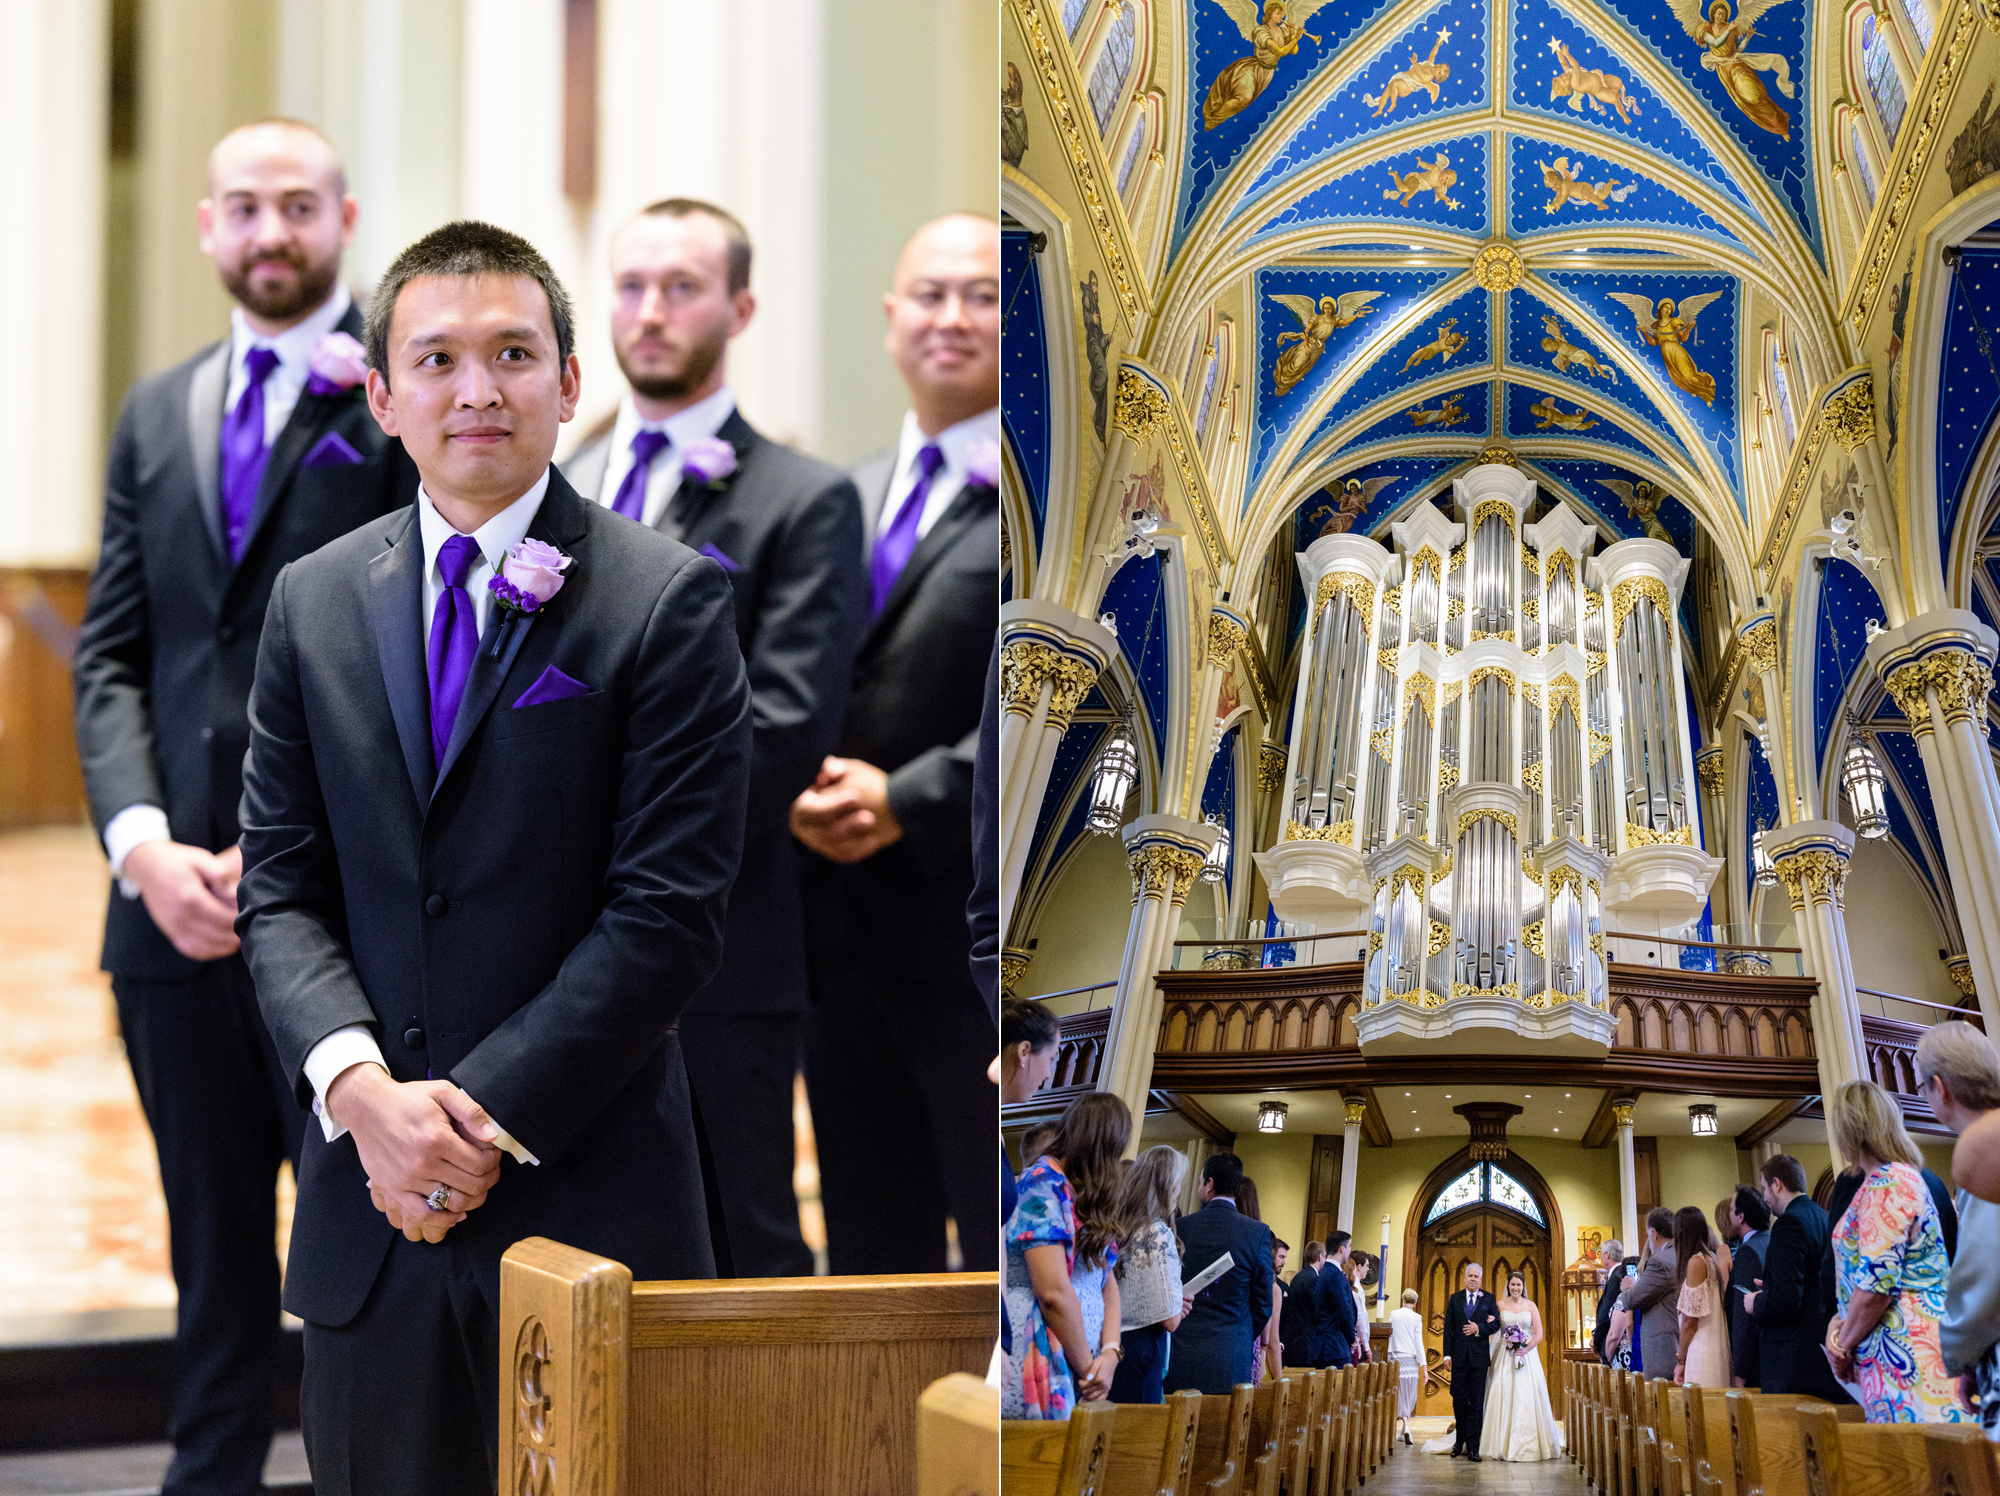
(437, 905)
(208, 734)
(414, 1038)
(227, 633)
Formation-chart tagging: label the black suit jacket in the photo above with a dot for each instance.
(1746, 1266)
(791, 526)
(1470, 1350)
(1792, 1309)
(1212, 1347)
(919, 686)
(1607, 1302)
(1334, 1298)
(168, 645)
(1298, 1317)
(530, 920)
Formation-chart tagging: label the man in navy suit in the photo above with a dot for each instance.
(1790, 1305)
(1334, 1296)
(1471, 1316)
(1213, 1348)
(257, 450)
(1298, 1320)
(492, 810)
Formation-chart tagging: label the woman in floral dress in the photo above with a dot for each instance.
(1062, 1292)
(1890, 1269)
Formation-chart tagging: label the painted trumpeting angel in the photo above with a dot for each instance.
(1721, 39)
(1669, 328)
(1317, 323)
(1272, 39)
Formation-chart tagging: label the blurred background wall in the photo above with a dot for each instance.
(832, 127)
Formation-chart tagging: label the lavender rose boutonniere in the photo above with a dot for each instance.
(982, 464)
(531, 575)
(708, 461)
(338, 363)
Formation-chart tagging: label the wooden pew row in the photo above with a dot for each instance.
(958, 1438)
(1845, 1458)
(728, 1388)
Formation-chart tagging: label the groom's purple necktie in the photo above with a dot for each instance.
(631, 499)
(899, 541)
(454, 639)
(243, 451)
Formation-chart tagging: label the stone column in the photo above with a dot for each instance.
(1628, 1175)
(1939, 669)
(1350, 1161)
(1710, 771)
(1811, 858)
(1049, 660)
(1165, 853)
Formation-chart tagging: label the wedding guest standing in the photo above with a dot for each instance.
(487, 852)
(899, 1039)
(1890, 1268)
(1335, 1303)
(1299, 1319)
(679, 457)
(1062, 1299)
(1615, 1271)
(1749, 1227)
(1702, 1352)
(1651, 1295)
(257, 450)
(1406, 1350)
(1212, 1350)
(1788, 1302)
(1958, 1073)
(1357, 1269)
(1150, 1306)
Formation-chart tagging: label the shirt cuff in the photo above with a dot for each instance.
(327, 1060)
(131, 827)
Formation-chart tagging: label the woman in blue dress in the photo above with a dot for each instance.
(1061, 1249)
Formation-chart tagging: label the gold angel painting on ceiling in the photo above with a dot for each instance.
(1561, 180)
(1447, 342)
(1355, 497)
(1448, 413)
(1435, 177)
(1548, 414)
(1418, 77)
(1642, 502)
(1272, 39)
(1563, 353)
(1721, 38)
(1317, 323)
(1669, 329)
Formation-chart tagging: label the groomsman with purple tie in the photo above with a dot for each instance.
(679, 457)
(257, 450)
(900, 1038)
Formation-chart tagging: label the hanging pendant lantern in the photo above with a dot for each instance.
(1766, 871)
(1862, 778)
(1117, 769)
(1215, 866)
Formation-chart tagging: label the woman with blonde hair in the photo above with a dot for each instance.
(1890, 1269)
(1150, 1306)
(1406, 1349)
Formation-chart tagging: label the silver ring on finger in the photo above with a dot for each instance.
(439, 1198)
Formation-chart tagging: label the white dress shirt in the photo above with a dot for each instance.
(355, 1044)
(698, 422)
(282, 386)
(956, 442)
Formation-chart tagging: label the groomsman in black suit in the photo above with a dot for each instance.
(489, 833)
(1788, 1301)
(1298, 1320)
(1334, 1297)
(900, 1039)
(257, 450)
(1470, 1318)
(1214, 1347)
(786, 528)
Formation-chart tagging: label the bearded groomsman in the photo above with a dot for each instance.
(900, 1039)
(786, 528)
(224, 468)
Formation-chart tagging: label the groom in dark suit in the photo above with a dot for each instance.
(489, 836)
(1470, 1317)
(257, 450)
(787, 529)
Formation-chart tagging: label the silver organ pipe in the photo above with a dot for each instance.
(1414, 793)
(1533, 777)
(1531, 605)
(1424, 597)
(1377, 799)
(1491, 587)
(1323, 789)
(1566, 743)
(1454, 603)
(1655, 794)
(1597, 693)
(1559, 604)
(1492, 730)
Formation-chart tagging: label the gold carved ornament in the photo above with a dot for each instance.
(1961, 680)
(1713, 773)
(1532, 608)
(1558, 562)
(1444, 868)
(1504, 817)
(1511, 991)
(1163, 869)
(1621, 1113)
(1408, 874)
(1498, 454)
(1354, 1110)
(1423, 691)
(1270, 765)
(1600, 744)
(1013, 966)
(1559, 878)
(1427, 559)
(1440, 937)
(1447, 776)
(1393, 599)
(1358, 590)
(1531, 776)
(1564, 689)
(1493, 506)
(1593, 661)
(1374, 940)
(1453, 689)
(1141, 410)
(1531, 693)
(1336, 831)
(1625, 597)
(1848, 417)
(1959, 970)
(1498, 268)
(1386, 658)
(1505, 634)
(1498, 671)
(1225, 636)
(1644, 836)
(1817, 875)
(1025, 665)
(1379, 741)
(1531, 937)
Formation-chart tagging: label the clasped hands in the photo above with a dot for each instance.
(412, 1137)
(844, 816)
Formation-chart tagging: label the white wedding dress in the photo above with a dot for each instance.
(1520, 1423)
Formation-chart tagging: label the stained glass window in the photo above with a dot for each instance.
(1073, 15)
(1857, 158)
(1504, 1189)
(1207, 397)
(1464, 1190)
(1920, 21)
(1784, 392)
(1107, 79)
(1131, 153)
(1884, 84)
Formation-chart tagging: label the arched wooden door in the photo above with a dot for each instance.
(1468, 1220)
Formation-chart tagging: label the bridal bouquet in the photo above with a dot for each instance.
(1516, 1340)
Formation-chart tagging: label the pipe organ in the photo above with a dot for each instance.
(1488, 717)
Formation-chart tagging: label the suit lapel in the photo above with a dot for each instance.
(585, 469)
(561, 523)
(693, 503)
(396, 600)
(206, 391)
(965, 510)
(871, 480)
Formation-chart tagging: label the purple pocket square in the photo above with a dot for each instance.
(718, 556)
(331, 450)
(551, 685)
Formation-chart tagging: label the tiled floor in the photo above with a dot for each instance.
(1410, 1473)
(82, 1224)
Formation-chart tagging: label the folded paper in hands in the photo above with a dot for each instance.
(331, 450)
(551, 685)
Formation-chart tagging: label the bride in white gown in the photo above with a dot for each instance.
(1520, 1423)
